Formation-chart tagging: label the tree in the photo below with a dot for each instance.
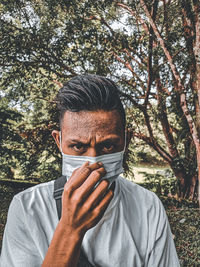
(150, 48)
(10, 140)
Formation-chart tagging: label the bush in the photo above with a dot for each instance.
(163, 183)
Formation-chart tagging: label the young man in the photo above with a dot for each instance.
(114, 222)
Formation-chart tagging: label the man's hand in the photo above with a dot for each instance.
(83, 205)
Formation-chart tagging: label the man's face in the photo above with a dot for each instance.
(91, 133)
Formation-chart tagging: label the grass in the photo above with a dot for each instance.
(183, 217)
(185, 224)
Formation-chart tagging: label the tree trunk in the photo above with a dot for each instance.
(187, 185)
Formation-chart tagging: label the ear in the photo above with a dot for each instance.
(56, 136)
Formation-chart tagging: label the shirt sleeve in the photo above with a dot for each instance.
(18, 248)
(163, 252)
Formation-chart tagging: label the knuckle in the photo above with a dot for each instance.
(68, 190)
(87, 206)
(76, 198)
(75, 172)
(97, 173)
(85, 170)
(96, 213)
(67, 193)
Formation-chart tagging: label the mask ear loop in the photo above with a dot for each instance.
(125, 135)
(60, 137)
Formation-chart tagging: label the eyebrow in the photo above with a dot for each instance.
(111, 139)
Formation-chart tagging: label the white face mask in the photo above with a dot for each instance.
(113, 163)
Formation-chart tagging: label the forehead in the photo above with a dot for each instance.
(92, 123)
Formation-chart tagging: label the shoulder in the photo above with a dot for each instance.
(137, 193)
(30, 203)
(141, 202)
(34, 198)
(27, 218)
(145, 209)
(42, 190)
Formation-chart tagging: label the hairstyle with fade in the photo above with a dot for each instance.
(89, 93)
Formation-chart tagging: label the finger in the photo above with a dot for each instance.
(100, 209)
(81, 174)
(97, 195)
(88, 186)
(93, 166)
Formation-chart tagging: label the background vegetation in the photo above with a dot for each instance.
(151, 49)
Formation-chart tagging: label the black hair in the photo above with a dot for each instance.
(90, 93)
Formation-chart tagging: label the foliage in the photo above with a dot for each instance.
(150, 49)
(185, 224)
(10, 139)
(184, 221)
(163, 183)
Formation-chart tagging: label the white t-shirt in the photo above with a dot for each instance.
(133, 232)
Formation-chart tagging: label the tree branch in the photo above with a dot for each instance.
(155, 146)
(133, 58)
(128, 66)
(179, 87)
(164, 119)
(132, 100)
(149, 64)
(134, 14)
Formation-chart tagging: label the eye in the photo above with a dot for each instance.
(108, 147)
(78, 147)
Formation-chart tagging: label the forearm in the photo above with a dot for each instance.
(64, 249)
(83, 207)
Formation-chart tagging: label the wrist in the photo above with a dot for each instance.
(71, 234)
(65, 246)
